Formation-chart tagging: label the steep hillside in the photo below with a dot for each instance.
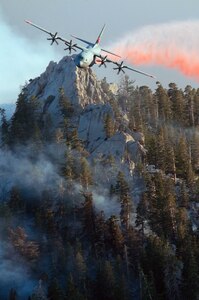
(99, 191)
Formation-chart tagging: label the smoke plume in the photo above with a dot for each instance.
(174, 45)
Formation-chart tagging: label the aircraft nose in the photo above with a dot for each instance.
(81, 64)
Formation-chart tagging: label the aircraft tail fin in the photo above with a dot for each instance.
(99, 36)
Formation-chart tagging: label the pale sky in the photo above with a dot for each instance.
(25, 53)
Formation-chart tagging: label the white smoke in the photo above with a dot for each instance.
(34, 175)
(14, 273)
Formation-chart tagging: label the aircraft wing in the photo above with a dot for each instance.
(54, 37)
(120, 66)
(84, 41)
(40, 28)
(138, 71)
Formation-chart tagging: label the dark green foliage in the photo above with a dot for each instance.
(15, 201)
(85, 174)
(148, 250)
(66, 107)
(109, 126)
(55, 292)
(25, 121)
(122, 190)
(13, 294)
(114, 237)
(4, 129)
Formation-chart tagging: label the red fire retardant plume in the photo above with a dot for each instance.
(173, 45)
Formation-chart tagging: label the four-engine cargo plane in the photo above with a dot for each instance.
(89, 55)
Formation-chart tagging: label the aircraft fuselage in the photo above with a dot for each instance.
(86, 58)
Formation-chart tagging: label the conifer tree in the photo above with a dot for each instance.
(24, 123)
(114, 237)
(66, 107)
(109, 126)
(105, 282)
(173, 277)
(100, 228)
(4, 129)
(189, 94)
(196, 107)
(39, 293)
(72, 291)
(122, 189)
(12, 294)
(142, 213)
(88, 216)
(15, 201)
(194, 143)
(85, 174)
(177, 103)
(164, 104)
(80, 269)
(55, 292)
(161, 153)
(183, 160)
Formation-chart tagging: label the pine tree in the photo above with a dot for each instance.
(4, 129)
(100, 228)
(135, 114)
(154, 262)
(142, 213)
(88, 217)
(161, 153)
(183, 196)
(196, 107)
(72, 291)
(73, 140)
(12, 294)
(66, 107)
(195, 151)
(105, 282)
(170, 165)
(114, 237)
(122, 190)
(19, 239)
(189, 105)
(125, 91)
(15, 201)
(85, 174)
(39, 293)
(191, 274)
(80, 269)
(25, 121)
(109, 126)
(183, 161)
(151, 146)
(173, 277)
(164, 104)
(177, 103)
(55, 292)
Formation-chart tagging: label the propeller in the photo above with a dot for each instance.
(120, 67)
(103, 61)
(71, 46)
(53, 38)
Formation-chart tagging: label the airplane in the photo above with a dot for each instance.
(89, 55)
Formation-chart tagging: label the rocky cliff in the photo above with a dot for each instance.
(91, 104)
